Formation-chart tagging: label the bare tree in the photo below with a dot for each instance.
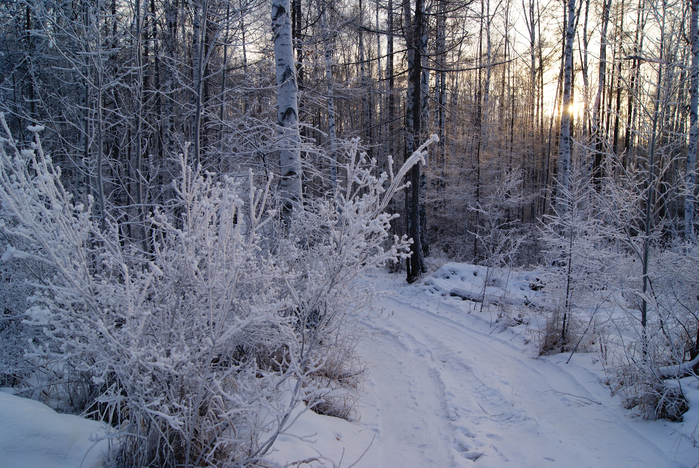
(416, 122)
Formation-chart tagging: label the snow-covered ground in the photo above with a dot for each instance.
(32, 435)
(445, 387)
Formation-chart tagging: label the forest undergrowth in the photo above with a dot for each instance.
(197, 348)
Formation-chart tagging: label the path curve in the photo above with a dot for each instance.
(445, 390)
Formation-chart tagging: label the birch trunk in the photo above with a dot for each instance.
(693, 129)
(565, 146)
(287, 102)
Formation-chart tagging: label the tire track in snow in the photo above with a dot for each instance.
(404, 395)
(558, 386)
(476, 400)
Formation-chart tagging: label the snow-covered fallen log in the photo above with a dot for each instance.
(678, 370)
(474, 283)
(495, 299)
(467, 295)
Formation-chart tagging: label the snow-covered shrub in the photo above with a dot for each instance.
(198, 350)
(499, 233)
(327, 247)
(579, 264)
(645, 358)
(14, 334)
(597, 248)
(676, 303)
(644, 389)
(30, 264)
(167, 340)
(648, 360)
(645, 355)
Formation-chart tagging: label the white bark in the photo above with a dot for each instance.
(287, 101)
(693, 129)
(565, 148)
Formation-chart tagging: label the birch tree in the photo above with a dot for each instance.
(287, 102)
(693, 121)
(565, 148)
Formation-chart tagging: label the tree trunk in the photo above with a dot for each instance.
(634, 85)
(693, 129)
(565, 146)
(200, 20)
(224, 68)
(287, 102)
(413, 123)
(389, 72)
(441, 91)
(599, 136)
(586, 83)
(328, 55)
(99, 76)
(424, 123)
(650, 191)
(137, 168)
(479, 129)
(364, 81)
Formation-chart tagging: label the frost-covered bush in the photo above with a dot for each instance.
(198, 350)
(643, 386)
(648, 359)
(579, 264)
(675, 301)
(14, 334)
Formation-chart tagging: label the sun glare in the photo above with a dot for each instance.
(577, 108)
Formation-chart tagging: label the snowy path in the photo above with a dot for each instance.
(443, 391)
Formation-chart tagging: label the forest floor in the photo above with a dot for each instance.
(445, 385)
(448, 386)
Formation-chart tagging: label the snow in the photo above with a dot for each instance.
(32, 435)
(445, 386)
(468, 282)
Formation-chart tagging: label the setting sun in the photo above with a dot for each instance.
(577, 108)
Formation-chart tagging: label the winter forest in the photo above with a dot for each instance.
(204, 200)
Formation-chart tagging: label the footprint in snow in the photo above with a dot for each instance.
(468, 452)
(465, 431)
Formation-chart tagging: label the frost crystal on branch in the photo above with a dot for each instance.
(198, 351)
